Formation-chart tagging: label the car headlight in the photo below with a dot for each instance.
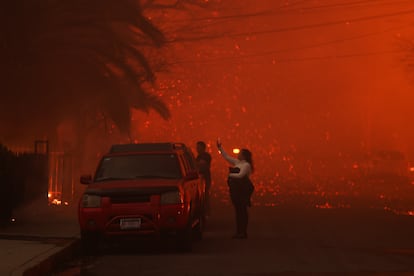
(171, 198)
(91, 201)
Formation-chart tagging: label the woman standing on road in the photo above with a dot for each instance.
(241, 187)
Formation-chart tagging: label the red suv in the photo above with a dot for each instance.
(143, 189)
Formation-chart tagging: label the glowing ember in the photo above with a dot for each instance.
(324, 206)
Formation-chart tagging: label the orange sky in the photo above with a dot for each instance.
(319, 77)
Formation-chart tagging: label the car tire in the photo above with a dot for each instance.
(185, 239)
(90, 243)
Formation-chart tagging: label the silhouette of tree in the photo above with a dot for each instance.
(73, 59)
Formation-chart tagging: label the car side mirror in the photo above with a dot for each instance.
(86, 179)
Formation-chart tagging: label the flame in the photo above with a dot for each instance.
(56, 202)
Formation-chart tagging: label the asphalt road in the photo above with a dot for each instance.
(285, 240)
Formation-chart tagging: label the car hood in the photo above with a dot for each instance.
(138, 186)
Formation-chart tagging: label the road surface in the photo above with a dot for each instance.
(285, 240)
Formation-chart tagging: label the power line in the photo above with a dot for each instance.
(219, 20)
(241, 15)
(296, 28)
(336, 41)
(360, 3)
(279, 60)
(283, 9)
(224, 17)
(325, 43)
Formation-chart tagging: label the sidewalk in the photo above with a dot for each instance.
(40, 237)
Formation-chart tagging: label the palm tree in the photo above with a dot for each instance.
(65, 59)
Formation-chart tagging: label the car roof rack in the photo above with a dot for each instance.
(143, 147)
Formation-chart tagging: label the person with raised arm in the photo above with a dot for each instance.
(240, 186)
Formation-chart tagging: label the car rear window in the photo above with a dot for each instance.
(127, 167)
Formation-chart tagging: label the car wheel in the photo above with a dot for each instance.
(185, 239)
(89, 243)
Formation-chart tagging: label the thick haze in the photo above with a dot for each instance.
(309, 86)
(292, 80)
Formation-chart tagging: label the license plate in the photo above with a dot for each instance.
(130, 223)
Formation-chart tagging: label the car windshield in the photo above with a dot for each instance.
(127, 167)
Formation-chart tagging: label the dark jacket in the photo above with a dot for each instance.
(241, 189)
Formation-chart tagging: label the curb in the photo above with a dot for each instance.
(44, 263)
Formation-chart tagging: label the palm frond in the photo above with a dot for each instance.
(57, 53)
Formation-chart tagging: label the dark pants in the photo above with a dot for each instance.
(240, 192)
(207, 206)
(242, 218)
